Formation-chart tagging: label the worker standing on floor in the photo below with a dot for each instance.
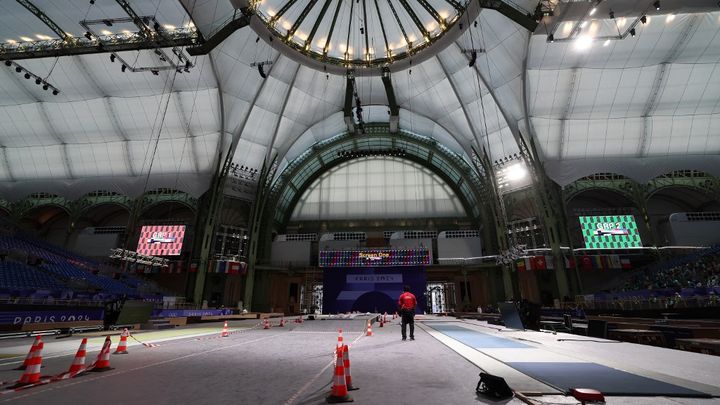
(406, 304)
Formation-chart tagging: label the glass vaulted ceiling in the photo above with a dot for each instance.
(359, 33)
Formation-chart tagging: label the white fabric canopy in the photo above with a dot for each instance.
(640, 106)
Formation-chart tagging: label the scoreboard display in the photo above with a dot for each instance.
(161, 240)
(374, 258)
(610, 232)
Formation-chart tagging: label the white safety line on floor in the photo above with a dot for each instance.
(97, 347)
(115, 373)
(302, 389)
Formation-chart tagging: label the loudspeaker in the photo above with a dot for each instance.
(493, 386)
(597, 328)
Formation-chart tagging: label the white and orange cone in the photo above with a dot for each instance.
(32, 372)
(339, 391)
(33, 348)
(369, 329)
(266, 324)
(282, 322)
(122, 346)
(102, 363)
(385, 317)
(382, 324)
(78, 363)
(346, 366)
(340, 339)
(225, 332)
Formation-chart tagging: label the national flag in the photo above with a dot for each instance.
(586, 263)
(569, 262)
(221, 267)
(193, 267)
(234, 267)
(549, 262)
(539, 263)
(520, 265)
(614, 262)
(243, 268)
(598, 262)
(625, 263)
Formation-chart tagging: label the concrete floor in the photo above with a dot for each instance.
(291, 365)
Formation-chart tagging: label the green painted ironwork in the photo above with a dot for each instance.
(451, 167)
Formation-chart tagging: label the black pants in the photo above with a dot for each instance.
(408, 317)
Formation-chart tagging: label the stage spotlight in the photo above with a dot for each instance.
(38, 81)
(8, 63)
(262, 71)
(45, 87)
(55, 92)
(155, 72)
(657, 5)
(27, 76)
(88, 35)
(612, 15)
(632, 32)
(92, 1)
(112, 57)
(123, 68)
(551, 38)
(108, 23)
(18, 69)
(473, 58)
(643, 19)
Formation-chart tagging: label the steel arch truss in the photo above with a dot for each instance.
(289, 186)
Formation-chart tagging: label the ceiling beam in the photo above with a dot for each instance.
(402, 27)
(44, 18)
(228, 29)
(522, 18)
(382, 28)
(299, 20)
(415, 19)
(323, 10)
(326, 48)
(347, 108)
(431, 10)
(392, 102)
(82, 46)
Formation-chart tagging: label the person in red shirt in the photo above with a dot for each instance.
(406, 304)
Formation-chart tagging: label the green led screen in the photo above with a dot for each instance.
(610, 232)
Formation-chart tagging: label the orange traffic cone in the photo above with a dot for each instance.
(282, 322)
(225, 332)
(32, 372)
(300, 319)
(346, 366)
(340, 339)
(369, 329)
(382, 324)
(266, 324)
(339, 391)
(33, 348)
(122, 346)
(79, 360)
(102, 363)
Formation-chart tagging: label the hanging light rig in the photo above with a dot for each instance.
(30, 75)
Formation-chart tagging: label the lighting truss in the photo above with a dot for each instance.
(135, 257)
(156, 34)
(132, 41)
(30, 75)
